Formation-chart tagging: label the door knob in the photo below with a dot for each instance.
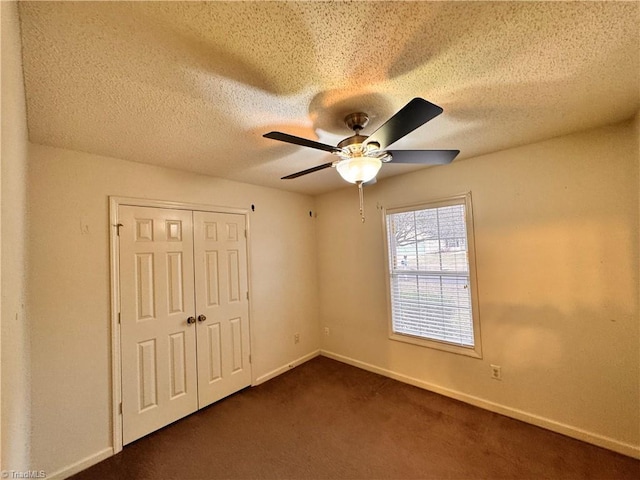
(191, 320)
(201, 318)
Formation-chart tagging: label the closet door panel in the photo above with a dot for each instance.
(158, 345)
(220, 251)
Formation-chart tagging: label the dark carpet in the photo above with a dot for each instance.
(328, 420)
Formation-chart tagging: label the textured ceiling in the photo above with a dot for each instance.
(193, 85)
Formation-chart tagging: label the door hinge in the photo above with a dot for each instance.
(118, 228)
(247, 294)
(120, 408)
(249, 358)
(245, 233)
(119, 318)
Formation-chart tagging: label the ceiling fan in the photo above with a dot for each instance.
(360, 157)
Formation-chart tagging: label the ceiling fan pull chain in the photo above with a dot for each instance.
(361, 195)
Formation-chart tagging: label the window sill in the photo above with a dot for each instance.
(474, 352)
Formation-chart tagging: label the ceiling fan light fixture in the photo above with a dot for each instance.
(359, 169)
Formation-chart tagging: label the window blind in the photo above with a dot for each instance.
(430, 284)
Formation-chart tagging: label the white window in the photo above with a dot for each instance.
(432, 275)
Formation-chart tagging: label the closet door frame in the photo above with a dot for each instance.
(116, 364)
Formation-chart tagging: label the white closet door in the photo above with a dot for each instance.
(158, 345)
(222, 305)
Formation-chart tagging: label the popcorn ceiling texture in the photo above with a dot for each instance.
(194, 85)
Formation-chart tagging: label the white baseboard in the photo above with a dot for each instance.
(574, 432)
(81, 465)
(285, 368)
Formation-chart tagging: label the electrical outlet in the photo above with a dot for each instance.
(327, 332)
(496, 372)
(296, 338)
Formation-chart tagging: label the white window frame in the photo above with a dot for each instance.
(472, 351)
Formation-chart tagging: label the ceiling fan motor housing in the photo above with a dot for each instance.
(355, 146)
(352, 140)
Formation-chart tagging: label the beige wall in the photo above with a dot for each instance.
(556, 230)
(14, 362)
(69, 286)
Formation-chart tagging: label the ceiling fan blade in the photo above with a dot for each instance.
(308, 170)
(424, 157)
(285, 137)
(413, 115)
